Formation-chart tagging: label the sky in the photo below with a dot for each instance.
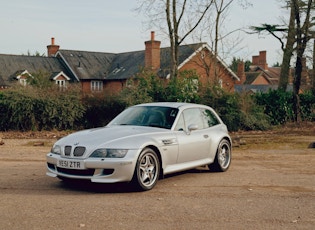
(27, 26)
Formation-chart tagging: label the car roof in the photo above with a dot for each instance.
(177, 105)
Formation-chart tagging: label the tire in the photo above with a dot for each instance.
(222, 159)
(147, 170)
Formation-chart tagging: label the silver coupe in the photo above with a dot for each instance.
(142, 144)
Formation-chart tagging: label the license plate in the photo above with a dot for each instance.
(70, 164)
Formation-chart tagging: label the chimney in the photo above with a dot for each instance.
(255, 60)
(263, 60)
(52, 49)
(260, 60)
(152, 54)
(241, 73)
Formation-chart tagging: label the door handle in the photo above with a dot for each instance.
(206, 136)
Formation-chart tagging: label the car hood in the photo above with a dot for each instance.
(124, 136)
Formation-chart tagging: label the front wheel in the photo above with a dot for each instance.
(223, 157)
(147, 170)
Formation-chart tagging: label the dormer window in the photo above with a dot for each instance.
(61, 79)
(22, 77)
(61, 83)
(23, 81)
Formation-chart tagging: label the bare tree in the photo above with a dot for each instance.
(173, 24)
(182, 17)
(220, 7)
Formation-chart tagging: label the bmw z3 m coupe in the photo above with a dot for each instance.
(143, 143)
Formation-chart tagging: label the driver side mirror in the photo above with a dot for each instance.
(191, 128)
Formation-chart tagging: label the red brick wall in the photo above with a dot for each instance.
(61, 77)
(260, 80)
(113, 87)
(152, 54)
(260, 60)
(86, 86)
(203, 64)
(52, 49)
(109, 87)
(241, 73)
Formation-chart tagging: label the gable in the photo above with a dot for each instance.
(22, 75)
(59, 76)
(260, 80)
(250, 77)
(186, 54)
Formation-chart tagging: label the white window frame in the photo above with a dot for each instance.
(61, 83)
(96, 86)
(221, 83)
(23, 81)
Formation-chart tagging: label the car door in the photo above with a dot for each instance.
(195, 144)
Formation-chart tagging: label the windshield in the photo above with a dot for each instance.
(154, 116)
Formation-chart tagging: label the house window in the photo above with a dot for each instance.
(23, 81)
(61, 83)
(96, 86)
(221, 83)
(203, 54)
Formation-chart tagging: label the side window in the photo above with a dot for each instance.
(209, 118)
(193, 116)
(180, 126)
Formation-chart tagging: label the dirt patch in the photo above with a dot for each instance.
(270, 185)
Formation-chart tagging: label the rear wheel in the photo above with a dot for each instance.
(223, 157)
(147, 170)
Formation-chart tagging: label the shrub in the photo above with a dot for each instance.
(35, 109)
(184, 88)
(100, 110)
(238, 111)
(308, 106)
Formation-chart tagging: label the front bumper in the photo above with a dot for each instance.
(98, 170)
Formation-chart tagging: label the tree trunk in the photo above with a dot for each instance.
(172, 26)
(296, 89)
(302, 37)
(313, 74)
(287, 53)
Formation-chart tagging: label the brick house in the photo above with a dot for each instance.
(108, 72)
(261, 77)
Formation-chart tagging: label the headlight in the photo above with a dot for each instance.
(109, 153)
(56, 149)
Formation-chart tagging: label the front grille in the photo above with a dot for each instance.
(78, 151)
(77, 172)
(67, 150)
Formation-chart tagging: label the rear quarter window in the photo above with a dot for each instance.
(209, 118)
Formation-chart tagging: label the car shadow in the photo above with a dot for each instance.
(89, 187)
(122, 187)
